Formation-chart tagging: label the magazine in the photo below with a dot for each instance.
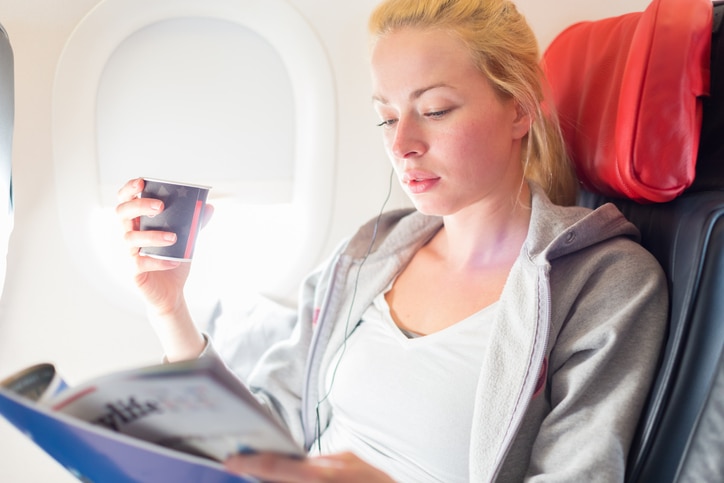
(191, 413)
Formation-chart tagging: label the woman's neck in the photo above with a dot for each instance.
(486, 234)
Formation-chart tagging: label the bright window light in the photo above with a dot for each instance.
(235, 95)
(206, 102)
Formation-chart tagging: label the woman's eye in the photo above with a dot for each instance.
(430, 115)
(437, 114)
(387, 123)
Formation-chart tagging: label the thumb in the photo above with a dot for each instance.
(208, 213)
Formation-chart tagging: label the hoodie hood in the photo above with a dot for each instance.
(555, 231)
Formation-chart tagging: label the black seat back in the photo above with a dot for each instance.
(686, 235)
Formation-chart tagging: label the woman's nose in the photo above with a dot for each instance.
(408, 138)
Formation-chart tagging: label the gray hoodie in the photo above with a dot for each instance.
(572, 354)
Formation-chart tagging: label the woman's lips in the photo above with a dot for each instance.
(418, 183)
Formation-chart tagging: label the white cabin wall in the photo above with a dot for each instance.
(49, 311)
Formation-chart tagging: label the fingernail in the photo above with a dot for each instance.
(156, 205)
(169, 236)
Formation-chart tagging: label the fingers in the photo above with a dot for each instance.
(135, 239)
(333, 468)
(131, 207)
(271, 467)
(129, 210)
(208, 213)
(145, 264)
(132, 189)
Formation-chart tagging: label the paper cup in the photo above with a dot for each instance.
(183, 209)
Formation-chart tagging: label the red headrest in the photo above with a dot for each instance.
(627, 92)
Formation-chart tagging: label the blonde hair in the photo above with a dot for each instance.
(505, 50)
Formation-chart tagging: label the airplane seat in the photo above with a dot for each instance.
(7, 116)
(640, 99)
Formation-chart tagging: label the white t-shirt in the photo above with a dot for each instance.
(405, 405)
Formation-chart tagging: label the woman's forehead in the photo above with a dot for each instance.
(420, 59)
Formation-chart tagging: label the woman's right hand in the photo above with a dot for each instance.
(161, 282)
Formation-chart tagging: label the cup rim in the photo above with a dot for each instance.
(177, 183)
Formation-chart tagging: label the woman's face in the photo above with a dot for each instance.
(454, 142)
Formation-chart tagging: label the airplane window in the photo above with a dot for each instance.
(197, 100)
(206, 93)
(207, 102)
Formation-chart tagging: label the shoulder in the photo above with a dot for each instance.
(392, 231)
(592, 252)
(557, 231)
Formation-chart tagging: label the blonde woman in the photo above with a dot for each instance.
(491, 334)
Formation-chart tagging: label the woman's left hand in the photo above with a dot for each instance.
(281, 469)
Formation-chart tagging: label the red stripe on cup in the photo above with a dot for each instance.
(193, 229)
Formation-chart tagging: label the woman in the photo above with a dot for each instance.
(490, 334)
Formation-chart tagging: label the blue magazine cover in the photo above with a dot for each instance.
(166, 423)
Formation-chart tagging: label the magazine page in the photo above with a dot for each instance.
(190, 406)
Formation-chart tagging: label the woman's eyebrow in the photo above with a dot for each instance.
(414, 94)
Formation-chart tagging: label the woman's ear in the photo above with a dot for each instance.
(522, 122)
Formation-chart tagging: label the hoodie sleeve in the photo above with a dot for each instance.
(612, 302)
(271, 361)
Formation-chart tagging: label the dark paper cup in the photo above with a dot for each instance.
(183, 209)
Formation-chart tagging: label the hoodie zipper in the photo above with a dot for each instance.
(308, 407)
(528, 389)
